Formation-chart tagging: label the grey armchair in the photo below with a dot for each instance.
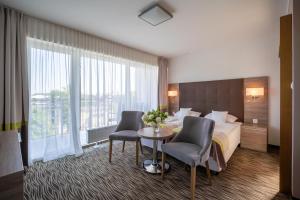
(191, 146)
(126, 130)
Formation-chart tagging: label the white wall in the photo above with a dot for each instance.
(253, 53)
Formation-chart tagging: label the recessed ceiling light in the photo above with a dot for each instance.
(155, 15)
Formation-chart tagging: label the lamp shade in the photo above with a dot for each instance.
(254, 92)
(172, 93)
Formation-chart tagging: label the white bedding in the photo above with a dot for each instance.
(232, 131)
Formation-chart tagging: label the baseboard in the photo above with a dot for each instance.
(273, 148)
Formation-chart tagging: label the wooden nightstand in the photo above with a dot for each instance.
(255, 137)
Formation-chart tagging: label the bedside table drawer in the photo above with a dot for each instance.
(254, 138)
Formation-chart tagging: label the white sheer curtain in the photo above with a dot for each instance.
(73, 89)
(53, 132)
(110, 85)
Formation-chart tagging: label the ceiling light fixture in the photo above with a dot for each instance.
(155, 15)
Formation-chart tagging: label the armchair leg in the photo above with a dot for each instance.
(163, 160)
(123, 148)
(141, 146)
(110, 149)
(208, 173)
(137, 152)
(193, 182)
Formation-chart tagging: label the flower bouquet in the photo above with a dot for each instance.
(154, 118)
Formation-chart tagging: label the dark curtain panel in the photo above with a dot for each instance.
(14, 95)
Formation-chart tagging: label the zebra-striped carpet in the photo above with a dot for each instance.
(250, 175)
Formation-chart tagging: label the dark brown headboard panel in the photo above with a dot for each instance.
(214, 95)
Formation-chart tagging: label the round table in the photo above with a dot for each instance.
(154, 166)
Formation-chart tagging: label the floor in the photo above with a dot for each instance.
(249, 175)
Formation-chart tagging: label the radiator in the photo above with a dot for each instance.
(98, 134)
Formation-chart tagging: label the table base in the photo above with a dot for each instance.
(152, 168)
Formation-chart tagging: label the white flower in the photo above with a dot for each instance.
(151, 116)
(144, 117)
(158, 119)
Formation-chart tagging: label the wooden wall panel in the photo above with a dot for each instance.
(285, 103)
(258, 108)
(217, 95)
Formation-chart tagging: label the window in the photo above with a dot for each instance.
(110, 85)
(106, 86)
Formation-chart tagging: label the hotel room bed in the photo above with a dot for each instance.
(205, 98)
(226, 138)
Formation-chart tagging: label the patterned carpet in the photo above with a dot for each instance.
(250, 175)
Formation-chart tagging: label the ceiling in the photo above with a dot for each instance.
(196, 25)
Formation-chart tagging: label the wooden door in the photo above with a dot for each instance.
(285, 103)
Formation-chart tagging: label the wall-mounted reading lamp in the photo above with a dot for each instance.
(255, 92)
(172, 93)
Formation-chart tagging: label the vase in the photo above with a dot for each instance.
(156, 128)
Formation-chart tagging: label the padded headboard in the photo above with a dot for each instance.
(221, 95)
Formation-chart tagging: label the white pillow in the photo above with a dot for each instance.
(184, 112)
(219, 116)
(177, 115)
(194, 114)
(231, 118)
